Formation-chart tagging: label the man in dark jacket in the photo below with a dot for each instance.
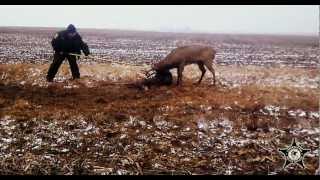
(66, 42)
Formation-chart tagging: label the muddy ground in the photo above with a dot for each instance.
(100, 125)
(267, 94)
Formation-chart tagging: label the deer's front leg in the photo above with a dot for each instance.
(179, 71)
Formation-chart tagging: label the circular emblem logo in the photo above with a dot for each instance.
(294, 154)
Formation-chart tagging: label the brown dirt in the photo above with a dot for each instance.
(111, 105)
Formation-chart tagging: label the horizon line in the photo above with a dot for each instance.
(163, 31)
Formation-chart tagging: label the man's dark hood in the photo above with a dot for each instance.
(71, 28)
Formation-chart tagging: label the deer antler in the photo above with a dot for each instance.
(149, 73)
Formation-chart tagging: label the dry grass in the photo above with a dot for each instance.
(149, 124)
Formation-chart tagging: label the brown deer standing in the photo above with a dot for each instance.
(182, 56)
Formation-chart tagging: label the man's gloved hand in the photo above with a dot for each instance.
(85, 49)
(86, 52)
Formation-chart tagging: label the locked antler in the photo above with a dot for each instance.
(149, 73)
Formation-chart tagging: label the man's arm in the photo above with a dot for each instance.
(55, 43)
(84, 46)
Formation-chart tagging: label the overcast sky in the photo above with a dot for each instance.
(290, 19)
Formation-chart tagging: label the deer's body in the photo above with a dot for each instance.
(182, 56)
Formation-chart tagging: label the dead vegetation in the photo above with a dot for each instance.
(267, 93)
(32, 45)
(99, 125)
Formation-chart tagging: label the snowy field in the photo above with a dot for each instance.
(267, 94)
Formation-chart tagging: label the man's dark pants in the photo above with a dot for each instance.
(57, 61)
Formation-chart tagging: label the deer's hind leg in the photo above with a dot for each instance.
(208, 64)
(203, 71)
